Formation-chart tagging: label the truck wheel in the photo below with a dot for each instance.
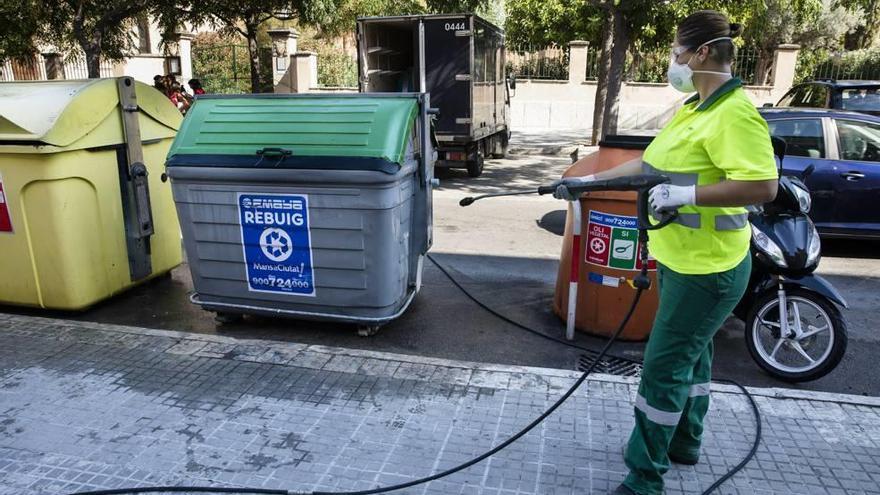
(475, 166)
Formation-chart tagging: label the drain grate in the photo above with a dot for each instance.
(609, 365)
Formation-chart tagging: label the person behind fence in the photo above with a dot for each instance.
(196, 86)
(159, 83)
(717, 151)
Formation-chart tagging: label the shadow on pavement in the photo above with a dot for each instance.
(499, 175)
(442, 322)
(553, 222)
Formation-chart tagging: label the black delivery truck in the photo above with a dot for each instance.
(459, 59)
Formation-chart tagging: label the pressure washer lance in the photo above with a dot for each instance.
(639, 183)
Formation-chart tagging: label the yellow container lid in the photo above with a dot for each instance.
(53, 116)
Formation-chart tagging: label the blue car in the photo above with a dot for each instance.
(843, 150)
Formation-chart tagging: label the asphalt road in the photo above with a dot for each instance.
(505, 251)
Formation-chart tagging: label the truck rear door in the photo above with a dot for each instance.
(448, 71)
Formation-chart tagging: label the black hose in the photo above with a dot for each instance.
(518, 434)
(755, 410)
(191, 489)
(755, 443)
(602, 353)
(515, 323)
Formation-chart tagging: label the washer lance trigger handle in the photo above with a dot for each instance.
(641, 183)
(644, 209)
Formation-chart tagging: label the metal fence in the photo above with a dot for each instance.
(41, 68)
(76, 68)
(841, 69)
(745, 64)
(651, 67)
(549, 63)
(222, 68)
(593, 57)
(647, 67)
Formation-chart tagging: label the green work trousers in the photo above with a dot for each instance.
(674, 391)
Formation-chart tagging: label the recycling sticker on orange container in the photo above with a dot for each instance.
(5, 216)
(613, 241)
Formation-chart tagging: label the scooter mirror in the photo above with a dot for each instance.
(779, 147)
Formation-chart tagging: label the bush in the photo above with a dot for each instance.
(222, 65)
(336, 68)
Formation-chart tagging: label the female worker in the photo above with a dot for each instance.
(717, 152)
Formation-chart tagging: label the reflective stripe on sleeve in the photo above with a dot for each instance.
(656, 415)
(699, 389)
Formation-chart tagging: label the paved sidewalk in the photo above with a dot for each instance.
(85, 405)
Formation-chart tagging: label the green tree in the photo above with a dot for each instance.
(246, 18)
(101, 29)
(20, 28)
(628, 24)
(816, 25)
(455, 6)
(865, 35)
(546, 22)
(616, 27)
(343, 21)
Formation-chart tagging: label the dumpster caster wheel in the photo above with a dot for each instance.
(368, 330)
(226, 318)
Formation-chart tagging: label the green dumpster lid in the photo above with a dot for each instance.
(60, 113)
(308, 126)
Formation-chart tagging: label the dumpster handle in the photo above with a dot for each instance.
(274, 152)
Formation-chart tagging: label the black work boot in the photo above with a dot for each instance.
(688, 461)
(623, 490)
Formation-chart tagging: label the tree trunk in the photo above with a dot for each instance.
(90, 44)
(864, 36)
(602, 79)
(616, 72)
(762, 68)
(93, 57)
(254, 55)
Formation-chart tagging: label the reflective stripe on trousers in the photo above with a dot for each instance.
(656, 415)
(665, 417)
(673, 395)
(699, 389)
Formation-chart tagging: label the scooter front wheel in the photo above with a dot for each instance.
(812, 348)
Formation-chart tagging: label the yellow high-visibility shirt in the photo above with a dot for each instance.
(721, 138)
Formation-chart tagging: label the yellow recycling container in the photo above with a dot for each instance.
(84, 213)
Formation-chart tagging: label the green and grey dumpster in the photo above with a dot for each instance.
(310, 206)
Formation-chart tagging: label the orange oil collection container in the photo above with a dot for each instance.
(608, 251)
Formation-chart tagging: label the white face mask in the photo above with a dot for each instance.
(681, 76)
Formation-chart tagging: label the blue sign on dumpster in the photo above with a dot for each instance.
(277, 243)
